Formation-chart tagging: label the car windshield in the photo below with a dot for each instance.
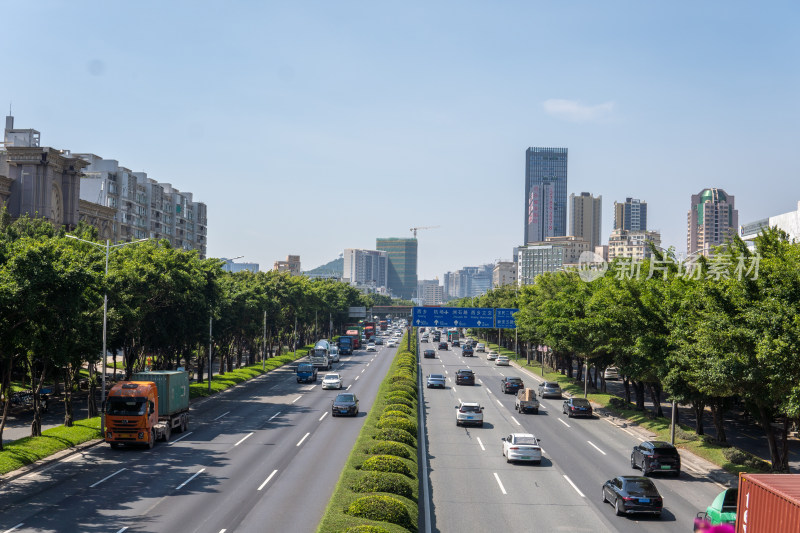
(305, 367)
(436, 376)
(126, 406)
(345, 398)
(525, 440)
(332, 377)
(551, 385)
(470, 409)
(515, 381)
(580, 402)
(641, 487)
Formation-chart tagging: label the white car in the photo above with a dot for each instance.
(480, 347)
(391, 344)
(371, 347)
(522, 447)
(502, 360)
(611, 373)
(491, 356)
(334, 354)
(469, 413)
(332, 381)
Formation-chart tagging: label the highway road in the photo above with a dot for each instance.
(263, 456)
(473, 488)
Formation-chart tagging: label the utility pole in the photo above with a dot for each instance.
(210, 358)
(264, 345)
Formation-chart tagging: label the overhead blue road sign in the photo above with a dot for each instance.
(453, 317)
(505, 318)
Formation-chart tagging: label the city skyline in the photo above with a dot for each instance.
(399, 118)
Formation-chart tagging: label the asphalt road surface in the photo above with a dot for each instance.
(473, 488)
(263, 456)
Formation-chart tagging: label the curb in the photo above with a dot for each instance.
(50, 459)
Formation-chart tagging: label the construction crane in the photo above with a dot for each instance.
(414, 230)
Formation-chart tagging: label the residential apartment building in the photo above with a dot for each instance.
(572, 247)
(431, 292)
(504, 273)
(468, 282)
(291, 265)
(402, 273)
(711, 220)
(144, 208)
(630, 215)
(230, 266)
(545, 193)
(366, 267)
(538, 258)
(633, 244)
(586, 217)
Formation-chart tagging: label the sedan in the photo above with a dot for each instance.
(391, 343)
(511, 384)
(656, 456)
(436, 380)
(470, 413)
(632, 494)
(378, 341)
(345, 404)
(549, 388)
(502, 360)
(576, 407)
(456, 343)
(428, 354)
(442, 345)
(522, 447)
(332, 381)
(491, 356)
(480, 347)
(371, 347)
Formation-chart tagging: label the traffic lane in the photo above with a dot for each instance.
(467, 468)
(286, 471)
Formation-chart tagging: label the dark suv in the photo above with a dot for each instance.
(467, 351)
(429, 354)
(465, 377)
(511, 384)
(442, 345)
(656, 456)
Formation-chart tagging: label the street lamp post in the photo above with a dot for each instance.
(108, 247)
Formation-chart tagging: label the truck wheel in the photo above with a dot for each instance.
(168, 431)
(183, 424)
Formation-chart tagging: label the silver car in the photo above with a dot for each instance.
(436, 380)
(502, 360)
(332, 381)
(549, 389)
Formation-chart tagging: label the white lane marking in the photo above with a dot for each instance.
(222, 530)
(595, 447)
(481, 443)
(541, 406)
(456, 391)
(310, 388)
(487, 390)
(278, 385)
(516, 421)
(296, 399)
(323, 416)
(363, 369)
(304, 438)
(367, 364)
(446, 372)
(107, 477)
(180, 438)
(499, 402)
(126, 529)
(179, 487)
(13, 528)
(348, 387)
(502, 488)
(244, 438)
(357, 378)
(573, 486)
(220, 416)
(72, 458)
(480, 381)
(459, 400)
(564, 423)
(267, 480)
(273, 416)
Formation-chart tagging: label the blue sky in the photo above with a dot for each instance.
(310, 127)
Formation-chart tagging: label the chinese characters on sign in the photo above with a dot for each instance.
(463, 317)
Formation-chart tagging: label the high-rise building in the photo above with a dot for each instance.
(291, 265)
(633, 244)
(586, 217)
(545, 193)
(430, 292)
(538, 258)
(366, 267)
(630, 215)
(711, 220)
(504, 273)
(469, 282)
(402, 274)
(573, 247)
(230, 265)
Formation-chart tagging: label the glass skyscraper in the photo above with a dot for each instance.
(545, 193)
(402, 276)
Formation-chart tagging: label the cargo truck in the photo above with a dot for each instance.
(354, 332)
(346, 345)
(147, 408)
(526, 402)
(320, 355)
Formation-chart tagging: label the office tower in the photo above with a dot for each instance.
(630, 215)
(535, 259)
(545, 193)
(430, 292)
(366, 267)
(586, 217)
(402, 275)
(504, 273)
(469, 282)
(711, 220)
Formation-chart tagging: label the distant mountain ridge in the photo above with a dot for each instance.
(331, 269)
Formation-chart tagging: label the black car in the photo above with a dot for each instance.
(632, 494)
(467, 351)
(465, 377)
(429, 354)
(511, 384)
(656, 456)
(576, 407)
(456, 344)
(345, 404)
(378, 341)
(442, 345)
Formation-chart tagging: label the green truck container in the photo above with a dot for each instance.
(173, 389)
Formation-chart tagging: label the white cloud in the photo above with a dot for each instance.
(576, 111)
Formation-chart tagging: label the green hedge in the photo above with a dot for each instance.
(371, 493)
(221, 382)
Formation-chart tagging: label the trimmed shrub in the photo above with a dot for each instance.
(383, 482)
(396, 435)
(403, 408)
(391, 395)
(403, 380)
(382, 508)
(388, 447)
(397, 400)
(387, 463)
(741, 457)
(399, 423)
(686, 435)
(405, 388)
(364, 528)
(399, 414)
